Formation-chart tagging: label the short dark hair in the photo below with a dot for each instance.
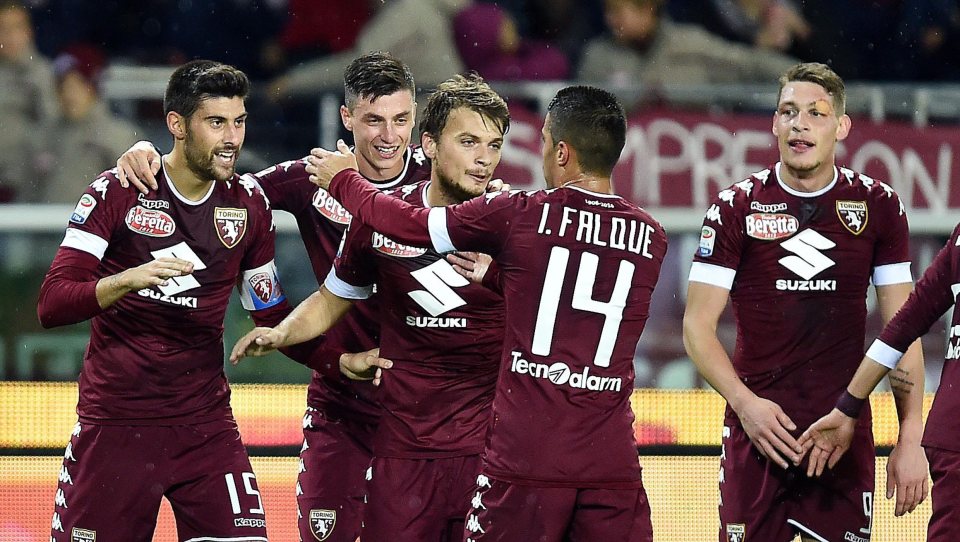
(199, 80)
(592, 121)
(374, 75)
(820, 74)
(469, 91)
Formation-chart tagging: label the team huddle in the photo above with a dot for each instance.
(472, 346)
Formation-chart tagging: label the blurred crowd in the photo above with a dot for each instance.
(56, 130)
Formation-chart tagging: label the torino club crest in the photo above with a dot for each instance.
(322, 523)
(230, 224)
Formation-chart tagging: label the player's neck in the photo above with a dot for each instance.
(377, 175)
(589, 182)
(183, 178)
(807, 181)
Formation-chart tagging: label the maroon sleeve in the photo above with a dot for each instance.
(931, 297)
(391, 216)
(491, 279)
(69, 291)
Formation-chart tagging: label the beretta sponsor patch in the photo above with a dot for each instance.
(324, 203)
(771, 226)
(150, 222)
(385, 245)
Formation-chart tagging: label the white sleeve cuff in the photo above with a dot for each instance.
(341, 288)
(894, 273)
(437, 222)
(712, 274)
(85, 241)
(883, 354)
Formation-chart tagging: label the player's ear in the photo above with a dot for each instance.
(843, 130)
(346, 118)
(429, 145)
(177, 124)
(563, 154)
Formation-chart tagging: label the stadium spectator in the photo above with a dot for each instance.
(768, 24)
(341, 416)
(444, 339)
(488, 42)
(794, 248)
(86, 137)
(28, 101)
(569, 24)
(645, 46)
(565, 392)
(418, 32)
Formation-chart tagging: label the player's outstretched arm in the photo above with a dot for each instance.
(830, 436)
(767, 425)
(364, 365)
(310, 319)
(139, 166)
(907, 468)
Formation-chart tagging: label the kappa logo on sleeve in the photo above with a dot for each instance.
(322, 523)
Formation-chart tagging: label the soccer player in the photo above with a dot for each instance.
(577, 265)
(443, 333)
(154, 273)
(794, 247)
(342, 415)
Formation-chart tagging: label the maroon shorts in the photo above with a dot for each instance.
(945, 471)
(419, 500)
(113, 478)
(761, 501)
(501, 511)
(330, 486)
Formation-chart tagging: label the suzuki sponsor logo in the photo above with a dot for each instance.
(330, 208)
(771, 226)
(385, 245)
(807, 259)
(432, 321)
(560, 374)
(150, 222)
(767, 207)
(188, 302)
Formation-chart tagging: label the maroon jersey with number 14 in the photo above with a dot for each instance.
(577, 269)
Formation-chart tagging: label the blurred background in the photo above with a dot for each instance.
(81, 81)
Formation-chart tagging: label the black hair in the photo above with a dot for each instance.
(199, 80)
(374, 75)
(592, 121)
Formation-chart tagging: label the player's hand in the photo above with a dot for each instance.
(260, 341)
(323, 165)
(907, 477)
(827, 440)
(364, 365)
(497, 185)
(472, 265)
(768, 427)
(139, 166)
(154, 273)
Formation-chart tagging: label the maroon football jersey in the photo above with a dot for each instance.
(443, 333)
(156, 355)
(797, 266)
(578, 269)
(935, 292)
(321, 221)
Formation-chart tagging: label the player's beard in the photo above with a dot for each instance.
(457, 191)
(203, 163)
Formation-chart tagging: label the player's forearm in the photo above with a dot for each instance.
(712, 361)
(312, 318)
(391, 216)
(111, 289)
(907, 383)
